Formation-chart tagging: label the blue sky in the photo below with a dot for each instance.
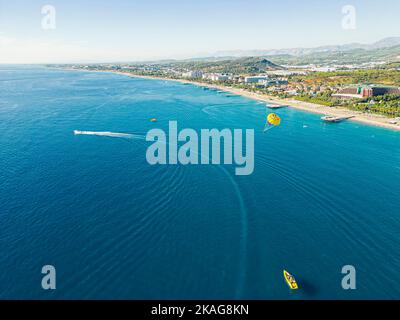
(143, 29)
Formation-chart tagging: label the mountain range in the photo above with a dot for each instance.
(384, 43)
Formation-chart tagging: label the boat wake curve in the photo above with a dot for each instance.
(243, 211)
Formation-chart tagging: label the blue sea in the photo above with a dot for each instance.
(322, 196)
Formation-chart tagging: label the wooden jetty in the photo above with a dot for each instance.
(276, 106)
(334, 119)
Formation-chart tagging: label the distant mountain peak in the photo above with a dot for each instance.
(384, 43)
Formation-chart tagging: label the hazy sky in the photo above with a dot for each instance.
(126, 30)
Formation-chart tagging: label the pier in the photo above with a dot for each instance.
(278, 106)
(334, 119)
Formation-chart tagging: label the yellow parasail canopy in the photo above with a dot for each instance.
(273, 119)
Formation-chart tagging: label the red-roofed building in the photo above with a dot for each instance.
(366, 91)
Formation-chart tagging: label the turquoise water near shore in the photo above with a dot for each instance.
(321, 196)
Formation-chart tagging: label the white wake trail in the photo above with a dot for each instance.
(107, 134)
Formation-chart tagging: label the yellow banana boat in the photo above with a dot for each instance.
(290, 280)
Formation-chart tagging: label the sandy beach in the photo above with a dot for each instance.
(370, 119)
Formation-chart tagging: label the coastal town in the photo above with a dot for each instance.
(366, 89)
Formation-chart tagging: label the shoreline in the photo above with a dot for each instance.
(369, 119)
